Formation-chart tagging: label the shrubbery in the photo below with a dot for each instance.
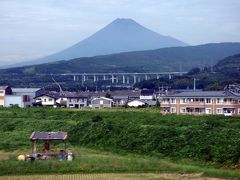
(208, 138)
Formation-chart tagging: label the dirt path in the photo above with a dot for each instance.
(112, 176)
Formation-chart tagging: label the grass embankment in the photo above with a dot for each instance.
(140, 141)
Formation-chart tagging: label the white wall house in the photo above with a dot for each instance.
(45, 100)
(135, 103)
(77, 101)
(30, 92)
(22, 101)
(101, 102)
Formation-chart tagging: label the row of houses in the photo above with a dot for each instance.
(196, 102)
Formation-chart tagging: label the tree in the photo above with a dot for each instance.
(108, 95)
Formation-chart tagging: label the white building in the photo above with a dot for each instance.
(135, 103)
(23, 92)
(22, 101)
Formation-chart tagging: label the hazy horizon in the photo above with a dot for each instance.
(32, 29)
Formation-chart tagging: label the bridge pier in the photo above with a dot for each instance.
(112, 78)
(94, 78)
(123, 79)
(134, 79)
(83, 78)
(146, 77)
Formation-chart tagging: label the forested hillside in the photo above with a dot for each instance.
(226, 71)
(160, 60)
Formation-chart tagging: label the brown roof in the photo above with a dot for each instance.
(48, 136)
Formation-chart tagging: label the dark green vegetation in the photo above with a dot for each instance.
(140, 141)
(160, 60)
(141, 131)
(226, 71)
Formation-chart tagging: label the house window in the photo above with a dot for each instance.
(219, 101)
(173, 101)
(201, 100)
(183, 110)
(219, 111)
(190, 100)
(182, 101)
(50, 99)
(173, 110)
(238, 110)
(45, 100)
(208, 111)
(208, 100)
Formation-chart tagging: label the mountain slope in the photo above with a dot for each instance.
(164, 59)
(229, 63)
(226, 71)
(122, 35)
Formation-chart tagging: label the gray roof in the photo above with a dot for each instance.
(74, 95)
(201, 94)
(25, 90)
(3, 87)
(114, 94)
(48, 136)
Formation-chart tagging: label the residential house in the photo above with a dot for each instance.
(4, 90)
(75, 100)
(22, 97)
(201, 102)
(122, 97)
(46, 99)
(147, 94)
(22, 101)
(101, 102)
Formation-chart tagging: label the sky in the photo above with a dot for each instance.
(35, 28)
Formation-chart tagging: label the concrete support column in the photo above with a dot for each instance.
(134, 79)
(104, 77)
(84, 78)
(146, 77)
(157, 76)
(112, 78)
(116, 79)
(123, 79)
(94, 78)
(169, 76)
(74, 77)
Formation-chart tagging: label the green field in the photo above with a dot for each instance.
(123, 141)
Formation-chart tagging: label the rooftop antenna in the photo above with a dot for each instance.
(60, 88)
